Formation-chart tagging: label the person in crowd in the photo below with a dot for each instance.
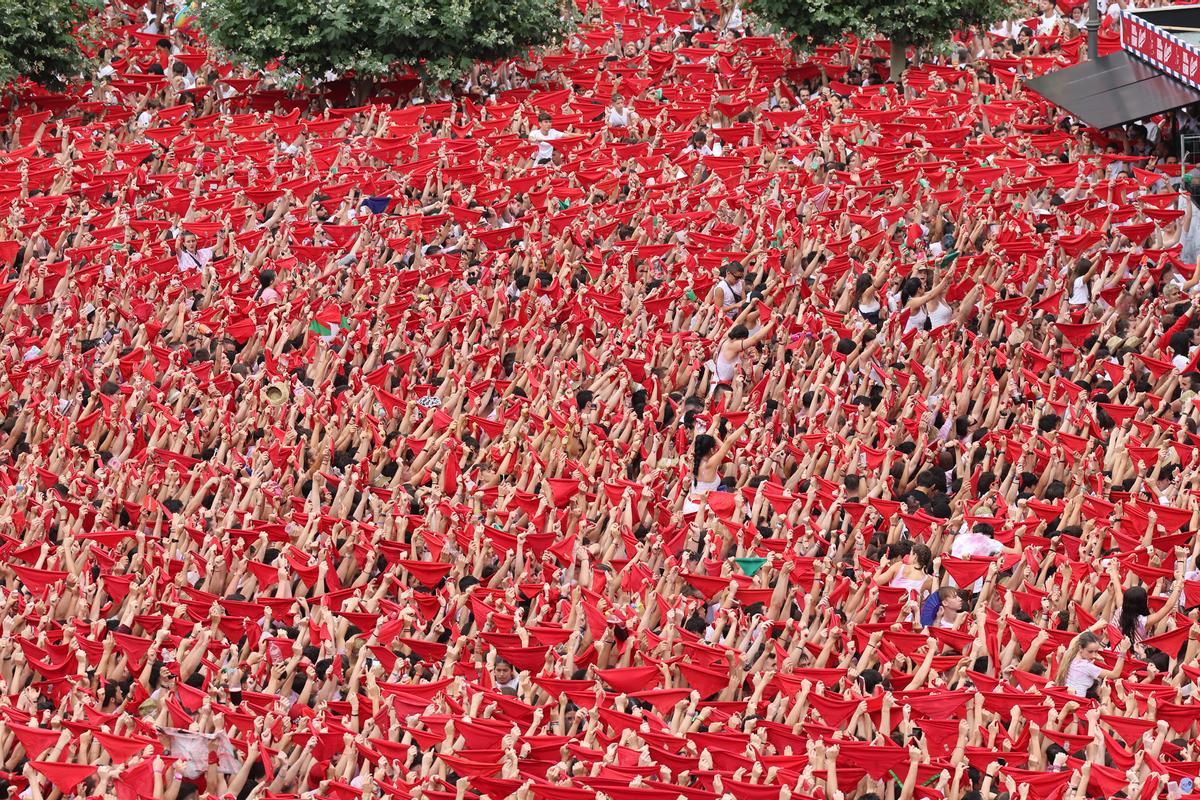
(667, 413)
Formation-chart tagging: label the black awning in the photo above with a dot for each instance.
(1113, 90)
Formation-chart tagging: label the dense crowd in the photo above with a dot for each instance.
(667, 416)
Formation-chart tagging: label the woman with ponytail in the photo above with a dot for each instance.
(1079, 668)
(708, 454)
(1133, 615)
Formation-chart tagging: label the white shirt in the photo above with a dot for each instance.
(1081, 675)
(1007, 28)
(941, 316)
(1080, 294)
(198, 260)
(545, 150)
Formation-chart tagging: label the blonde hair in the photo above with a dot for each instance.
(1078, 643)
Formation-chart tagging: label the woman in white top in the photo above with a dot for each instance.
(1081, 287)
(191, 257)
(940, 314)
(911, 572)
(1180, 345)
(708, 453)
(1133, 616)
(734, 22)
(927, 311)
(729, 353)
(866, 298)
(1079, 669)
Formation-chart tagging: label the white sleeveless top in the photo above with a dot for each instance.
(730, 295)
(940, 316)
(725, 370)
(916, 320)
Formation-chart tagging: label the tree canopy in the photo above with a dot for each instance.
(372, 37)
(37, 40)
(904, 22)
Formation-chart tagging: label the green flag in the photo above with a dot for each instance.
(750, 566)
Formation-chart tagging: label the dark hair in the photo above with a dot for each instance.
(1181, 342)
(1133, 605)
(701, 447)
(923, 556)
(872, 678)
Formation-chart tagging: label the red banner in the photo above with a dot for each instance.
(1158, 47)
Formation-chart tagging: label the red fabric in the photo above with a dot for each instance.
(631, 679)
(35, 740)
(65, 777)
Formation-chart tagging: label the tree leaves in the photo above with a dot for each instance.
(916, 22)
(37, 40)
(372, 37)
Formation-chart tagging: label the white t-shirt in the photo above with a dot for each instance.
(545, 150)
(1080, 294)
(1081, 675)
(189, 261)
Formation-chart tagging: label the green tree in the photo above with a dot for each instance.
(37, 40)
(903, 22)
(372, 37)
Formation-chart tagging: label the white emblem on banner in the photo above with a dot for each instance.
(1137, 36)
(1164, 50)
